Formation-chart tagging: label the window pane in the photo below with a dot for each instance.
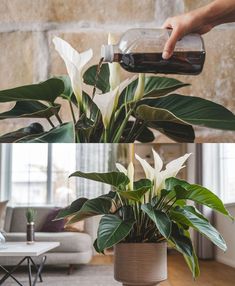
(29, 174)
(63, 189)
(227, 159)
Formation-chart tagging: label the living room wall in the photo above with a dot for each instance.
(27, 28)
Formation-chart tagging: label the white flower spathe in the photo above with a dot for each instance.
(74, 62)
(129, 172)
(107, 102)
(114, 68)
(159, 176)
(139, 93)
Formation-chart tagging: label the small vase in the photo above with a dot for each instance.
(30, 233)
(2, 241)
(140, 264)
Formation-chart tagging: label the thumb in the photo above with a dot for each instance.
(170, 44)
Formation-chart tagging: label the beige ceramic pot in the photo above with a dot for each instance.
(140, 264)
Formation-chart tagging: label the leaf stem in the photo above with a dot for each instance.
(72, 112)
(51, 123)
(58, 118)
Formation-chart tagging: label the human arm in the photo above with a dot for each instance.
(200, 21)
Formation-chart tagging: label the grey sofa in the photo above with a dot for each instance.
(75, 247)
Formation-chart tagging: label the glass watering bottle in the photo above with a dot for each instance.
(140, 51)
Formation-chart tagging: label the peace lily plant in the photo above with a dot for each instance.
(153, 209)
(106, 109)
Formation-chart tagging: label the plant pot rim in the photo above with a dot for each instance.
(141, 243)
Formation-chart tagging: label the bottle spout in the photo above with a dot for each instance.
(107, 53)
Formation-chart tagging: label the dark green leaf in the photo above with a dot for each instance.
(32, 129)
(184, 217)
(60, 134)
(140, 189)
(30, 109)
(145, 136)
(161, 219)
(112, 230)
(159, 86)
(175, 131)
(72, 209)
(192, 110)
(182, 243)
(192, 260)
(114, 179)
(95, 245)
(197, 194)
(103, 79)
(93, 207)
(45, 91)
(68, 90)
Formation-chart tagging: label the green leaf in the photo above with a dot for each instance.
(197, 194)
(152, 114)
(45, 91)
(103, 79)
(72, 209)
(33, 129)
(182, 216)
(68, 90)
(142, 184)
(172, 182)
(112, 230)
(182, 243)
(114, 179)
(145, 136)
(192, 110)
(93, 207)
(30, 109)
(161, 219)
(141, 187)
(95, 245)
(192, 262)
(60, 134)
(159, 86)
(175, 131)
(89, 106)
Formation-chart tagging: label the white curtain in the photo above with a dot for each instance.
(94, 158)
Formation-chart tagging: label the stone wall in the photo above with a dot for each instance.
(27, 55)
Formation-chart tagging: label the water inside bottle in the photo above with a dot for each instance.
(189, 63)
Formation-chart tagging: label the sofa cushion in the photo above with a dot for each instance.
(69, 241)
(53, 226)
(18, 220)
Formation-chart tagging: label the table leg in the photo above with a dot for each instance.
(36, 267)
(29, 271)
(38, 274)
(9, 273)
(30, 262)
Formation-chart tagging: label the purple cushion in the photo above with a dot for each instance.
(53, 226)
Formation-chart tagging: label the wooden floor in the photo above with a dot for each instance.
(212, 273)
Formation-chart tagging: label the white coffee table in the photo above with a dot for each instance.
(27, 251)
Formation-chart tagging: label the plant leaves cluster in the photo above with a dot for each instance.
(138, 215)
(159, 109)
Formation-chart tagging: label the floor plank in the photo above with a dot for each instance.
(212, 272)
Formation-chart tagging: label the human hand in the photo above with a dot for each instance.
(182, 25)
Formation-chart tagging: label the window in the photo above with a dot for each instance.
(38, 174)
(219, 170)
(227, 172)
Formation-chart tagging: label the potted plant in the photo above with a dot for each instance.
(30, 217)
(105, 109)
(141, 217)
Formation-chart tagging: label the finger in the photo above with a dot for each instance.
(167, 24)
(170, 44)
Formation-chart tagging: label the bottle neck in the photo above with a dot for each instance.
(117, 57)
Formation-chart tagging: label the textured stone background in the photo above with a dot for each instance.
(27, 55)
